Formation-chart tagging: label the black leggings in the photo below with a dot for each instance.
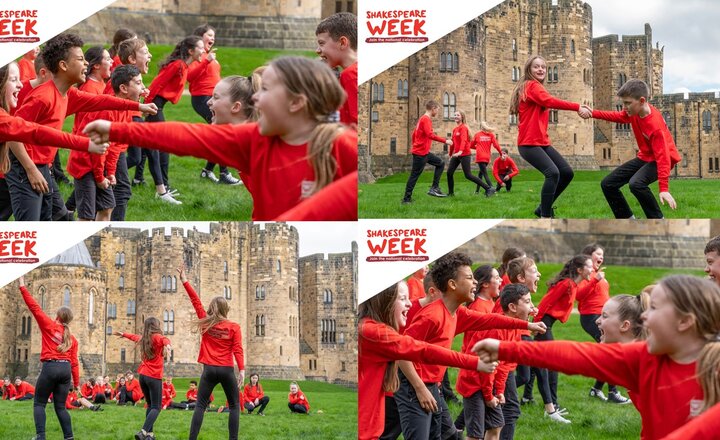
(262, 403)
(199, 104)
(464, 162)
(55, 378)
(547, 380)
(135, 156)
(297, 408)
(152, 389)
(588, 324)
(211, 376)
(160, 102)
(558, 174)
(483, 175)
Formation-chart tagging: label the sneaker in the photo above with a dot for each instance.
(406, 201)
(594, 392)
(561, 411)
(538, 213)
(557, 417)
(136, 182)
(490, 192)
(261, 414)
(173, 191)
(167, 197)
(525, 401)
(616, 397)
(228, 179)
(140, 435)
(205, 174)
(435, 192)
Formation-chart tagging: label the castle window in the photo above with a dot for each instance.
(707, 121)
(229, 293)
(338, 7)
(609, 153)
(575, 138)
(174, 283)
(393, 145)
(349, 6)
(710, 167)
(448, 62)
(162, 283)
(553, 116)
(604, 153)
(22, 331)
(375, 93)
(405, 88)
(572, 47)
(131, 308)
(375, 116)
(456, 62)
(262, 292)
(278, 267)
(381, 93)
(442, 61)
(514, 49)
(42, 297)
(66, 297)
(684, 160)
(309, 364)
(342, 368)
(225, 269)
(259, 325)
(117, 259)
(26, 355)
(622, 78)
(257, 292)
(121, 282)
(555, 74)
(108, 330)
(122, 258)
(514, 74)
(169, 322)
(111, 311)
(400, 89)
(477, 108)
(446, 106)
(472, 34)
(91, 307)
(717, 165)
(342, 338)
(122, 355)
(327, 296)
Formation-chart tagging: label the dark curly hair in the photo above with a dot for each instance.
(511, 294)
(446, 268)
(58, 48)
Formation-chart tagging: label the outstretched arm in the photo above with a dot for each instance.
(194, 298)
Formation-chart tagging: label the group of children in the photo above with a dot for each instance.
(662, 344)
(289, 128)
(220, 350)
(532, 103)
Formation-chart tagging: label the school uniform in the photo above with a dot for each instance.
(27, 69)
(502, 169)
(336, 202)
(298, 403)
(461, 144)
(422, 138)
(250, 393)
(481, 143)
(349, 82)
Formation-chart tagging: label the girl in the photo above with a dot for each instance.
(120, 36)
(481, 143)
(460, 155)
(381, 345)
(557, 305)
(682, 324)
(169, 84)
(155, 347)
(532, 103)
(59, 357)
(590, 306)
(73, 401)
(203, 75)
(254, 396)
(288, 155)
(297, 402)
(221, 341)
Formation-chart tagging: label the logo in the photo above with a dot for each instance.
(397, 245)
(18, 26)
(18, 247)
(397, 26)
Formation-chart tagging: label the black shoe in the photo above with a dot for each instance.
(451, 194)
(406, 200)
(136, 182)
(228, 179)
(490, 192)
(538, 213)
(140, 435)
(435, 192)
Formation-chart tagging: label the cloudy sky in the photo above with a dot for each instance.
(689, 30)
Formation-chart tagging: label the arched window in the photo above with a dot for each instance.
(381, 93)
(405, 88)
(162, 283)
(42, 297)
(456, 62)
(121, 282)
(259, 325)
(572, 47)
(225, 270)
(448, 62)
(262, 292)
(707, 120)
(555, 74)
(257, 292)
(166, 320)
(514, 49)
(171, 323)
(66, 297)
(375, 92)
(442, 61)
(278, 267)
(400, 89)
(91, 307)
(117, 259)
(174, 283)
(514, 74)
(22, 331)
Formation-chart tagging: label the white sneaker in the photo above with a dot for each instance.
(167, 197)
(618, 398)
(557, 417)
(594, 392)
(205, 174)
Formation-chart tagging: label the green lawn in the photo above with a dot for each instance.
(582, 199)
(333, 416)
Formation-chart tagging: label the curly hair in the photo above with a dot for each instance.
(58, 48)
(446, 268)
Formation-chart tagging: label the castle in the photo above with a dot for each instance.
(476, 67)
(297, 314)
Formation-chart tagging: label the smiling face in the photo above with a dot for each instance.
(293, 388)
(530, 278)
(524, 307)
(661, 321)
(493, 287)
(134, 88)
(586, 270)
(141, 59)
(712, 266)
(197, 51)
(75, 65)
(538, 69)
(272, 102)
(12, 86)
(328, 49)
(465, 284)
(458, 117)
(611, 328)
(598, 256)
(402, 305)
(103, 68)
(220, 104)
(208, 40)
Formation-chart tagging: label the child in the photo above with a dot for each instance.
(59, 357)
(133, 389)
(155, 347)
(289, 154)
(481, 143)
(337, 46)
(74, 402)
(655, 159)
(508, 255)
(712, 260)
(415, 284)
(422, 138)
(203, 75)
(168, 385)
(48, 104)
(23, 390)
(26, 64)
(98, 390)
(504, 169)
(682, 324)
(221, 342)
(460, 155)
(532, 103)
(169, 84)
(120, 36)
(86, 390)
(297, 402)
(438, 323)
(42, 75)
(254, 396)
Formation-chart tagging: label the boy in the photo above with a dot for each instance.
(337, 46)
(29, 180)
(657, 154)
(418, 398)
(422, 138)
(27, 69)
(712, 259)
(504, 169)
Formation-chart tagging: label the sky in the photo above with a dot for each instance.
(689, 30)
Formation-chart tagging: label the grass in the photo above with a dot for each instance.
(582, 199)
(202, 199)
(337, 419)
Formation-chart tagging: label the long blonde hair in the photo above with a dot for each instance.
(217, 312)
(323, 94)
(518, 93)
(484, 126)
(241, 89)
(65, 317)
(4, 147)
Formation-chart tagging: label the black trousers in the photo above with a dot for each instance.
(483, 174)
(464, 162)
(28, 205)
(638, 175)
(511, 408)
(588, 323)
(199, 104)
(418, 165)
(152, 389)
(547, 379)
(262, 403)
(415, 422)
(136, 158)
(211, 376)
(58, 172)
(55, 378)
(393, 429)
(160, 102)
(558, 174)
(5, 203)
(508, 183)
(297, 408)
(122, 189)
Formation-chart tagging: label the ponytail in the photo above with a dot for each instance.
(708, 371)
(320, 154)
(65, 316)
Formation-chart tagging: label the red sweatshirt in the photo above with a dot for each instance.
(191, 395)
(349, 82)
(276, 173)
(378, 345)
(52, 336)
(470, 382)
(416, 288)
(481, 143)
(27, 69)
(134, 387)
(222, 342)
(170, 389)
(461, 140)
(26, 88)
(704, 426)
(86, 390)
(559, 299)
(423, 136)
(414, 308)
(435, 325)
(591, 300)
(170, 82)
(46, 106)
(335, 202)
(10, 392)
(72, 397)
(24, 388)
(505, 281)
(535, 114)
(503, 167)
(654, 140)
(116, 62)
(17, 129)
(203, 76)
(100, 165)
(151, 367)
(82, 117)
(251, 393)
(667, 390)
(299, 397)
